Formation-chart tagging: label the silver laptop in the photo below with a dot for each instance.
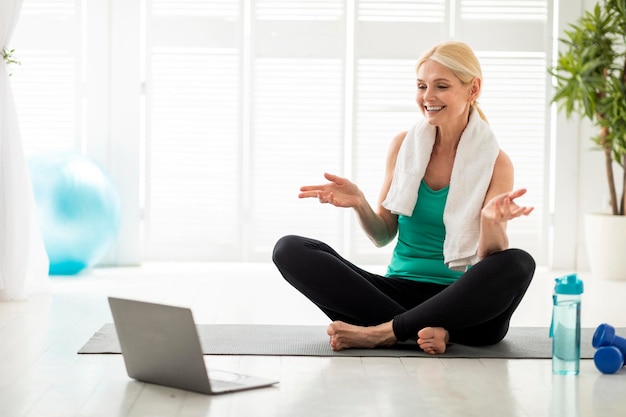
(160, 345)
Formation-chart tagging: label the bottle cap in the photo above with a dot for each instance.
(608, 359)
(569, 284)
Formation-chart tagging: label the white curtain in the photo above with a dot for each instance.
(23, 258)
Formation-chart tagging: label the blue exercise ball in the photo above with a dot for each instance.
(78, 210)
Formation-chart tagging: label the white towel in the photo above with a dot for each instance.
(471, 175)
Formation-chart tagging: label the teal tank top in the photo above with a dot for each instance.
(418, 254)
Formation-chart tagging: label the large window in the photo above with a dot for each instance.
(242, 101)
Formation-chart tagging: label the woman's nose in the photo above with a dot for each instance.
(427, 93)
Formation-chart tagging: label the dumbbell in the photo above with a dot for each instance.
(609, 358)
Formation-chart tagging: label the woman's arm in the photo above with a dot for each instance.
(499, 208)
(381, 225)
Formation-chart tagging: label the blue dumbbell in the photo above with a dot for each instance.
(609, 358)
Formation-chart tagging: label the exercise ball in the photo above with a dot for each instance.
(78, 209)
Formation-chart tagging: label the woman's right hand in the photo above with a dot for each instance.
(339, 192)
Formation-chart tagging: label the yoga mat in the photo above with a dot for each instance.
(282, 340)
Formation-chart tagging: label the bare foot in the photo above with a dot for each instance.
(346, 336)
(433, 340)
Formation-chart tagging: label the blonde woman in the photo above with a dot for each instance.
(447, 195)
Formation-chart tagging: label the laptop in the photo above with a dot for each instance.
(160, 345)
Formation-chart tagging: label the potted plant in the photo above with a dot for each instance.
(590, 78)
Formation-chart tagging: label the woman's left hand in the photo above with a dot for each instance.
(503, 207)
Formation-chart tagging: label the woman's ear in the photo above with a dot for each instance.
(474, 90)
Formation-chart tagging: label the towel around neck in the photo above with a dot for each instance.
(471, 175)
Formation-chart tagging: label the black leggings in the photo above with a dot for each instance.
(476, 309)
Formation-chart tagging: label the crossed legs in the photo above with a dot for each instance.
(369, 310)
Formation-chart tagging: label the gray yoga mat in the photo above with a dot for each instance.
(281, 340)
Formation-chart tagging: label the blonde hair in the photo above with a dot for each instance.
(459, 58)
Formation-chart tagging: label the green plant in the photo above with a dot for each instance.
(9, 58)
(590, 77)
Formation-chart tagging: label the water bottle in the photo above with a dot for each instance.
(565, 328)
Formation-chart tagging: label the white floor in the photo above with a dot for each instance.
(42, 376)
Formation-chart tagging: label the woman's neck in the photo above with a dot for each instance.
(449, 135)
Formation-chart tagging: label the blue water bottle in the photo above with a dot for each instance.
(565, 329)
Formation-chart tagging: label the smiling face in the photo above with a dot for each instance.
(441, 96)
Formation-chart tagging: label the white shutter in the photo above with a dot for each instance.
(225, 9)
(298, 10)
(296, 136)
(49, 8)
(511, 10)
(47, 83)
(247, 100)
(193, 135)
(193, 154)
(297, 120)
(517, 114)
(401, 11)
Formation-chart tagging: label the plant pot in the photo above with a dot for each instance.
(606, 244)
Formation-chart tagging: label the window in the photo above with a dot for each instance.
(244, 101)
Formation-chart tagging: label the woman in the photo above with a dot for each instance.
(447, 194)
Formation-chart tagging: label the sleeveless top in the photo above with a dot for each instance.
(418, 254)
